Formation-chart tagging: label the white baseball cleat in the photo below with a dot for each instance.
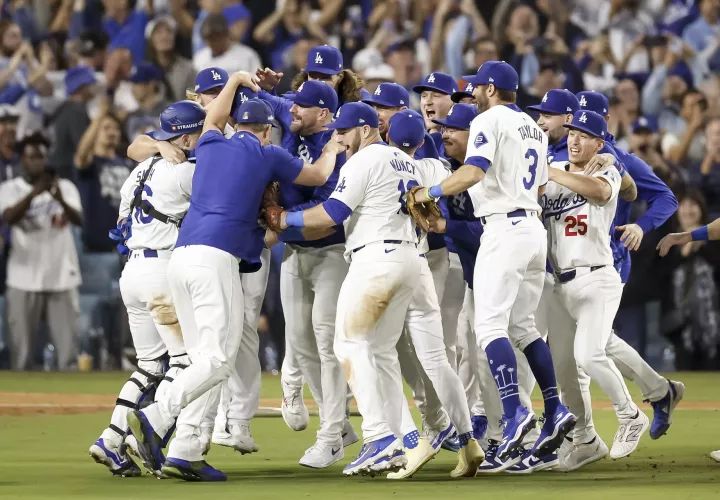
(349, 436)
(565, 448)
(322, 455)
(715, 455)
(416, 458)
(628, 435)
(583, 454)
(294, 412)
(239, 439)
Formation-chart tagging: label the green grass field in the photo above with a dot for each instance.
(45, 457)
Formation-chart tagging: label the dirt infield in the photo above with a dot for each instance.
(31, 403)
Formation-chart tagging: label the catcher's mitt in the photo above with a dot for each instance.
(270, 210)
(420, 211)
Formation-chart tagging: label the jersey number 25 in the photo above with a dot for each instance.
(576, 226)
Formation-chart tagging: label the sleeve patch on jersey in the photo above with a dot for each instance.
(480, 139)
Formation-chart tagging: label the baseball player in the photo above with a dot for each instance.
(663, 394)
(463, 96)
(381, 246)
(423, 321)
(242, 391)
(387, 100)
(462, 231)
(505, 171)
(578, 212)
(312, 273)
(219, 236)
(154, 199)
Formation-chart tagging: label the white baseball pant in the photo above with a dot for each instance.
(208, 296)
(372, 305)
(424, 326)
(154, 329)
(580, 326)
(240, 395)
(451, 303)
(310, 282)
(483, 396)
(508, 279)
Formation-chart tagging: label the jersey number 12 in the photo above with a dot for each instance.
(404, 189)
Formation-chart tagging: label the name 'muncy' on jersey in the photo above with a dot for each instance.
(373, 184)
(516, 149)
(167, 188)
(578, 228)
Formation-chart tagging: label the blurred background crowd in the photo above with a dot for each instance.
(80, 79)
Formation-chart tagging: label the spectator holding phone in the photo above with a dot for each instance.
(43, 272)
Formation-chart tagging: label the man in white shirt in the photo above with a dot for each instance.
(221, 51)
(43, 271)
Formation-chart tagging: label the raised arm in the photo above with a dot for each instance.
(219, 112)
(592, 188)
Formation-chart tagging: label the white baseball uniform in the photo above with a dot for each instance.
(381, 246)
(144, 285)
(510, 265)
(588, 290)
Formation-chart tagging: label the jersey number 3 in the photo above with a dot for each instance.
(404, 189)
(576, 222)
(533, 157)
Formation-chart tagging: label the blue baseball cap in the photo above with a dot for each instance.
(145, 72)
(460, 116)
(498, 73)
(77, 77)
(255, 111)
(354, 114)
(210, 78)
(589, 122)
(590, 100)
(389, 94)
(364, 94)
(242, 95)
(466, 91)
(407, 128)
(324, 59)
(645, 123)
(315, 94)
(183, 117)
(557, 102)
(439, 82)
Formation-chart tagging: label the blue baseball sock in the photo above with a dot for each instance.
(503, 367)
(541, 364)
(410, 440)
(464, 438)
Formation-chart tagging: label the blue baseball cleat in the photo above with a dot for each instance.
(515, 429)
(192, 471)
(479, 426)
(554, 430)
(114, 459)
(492, 464)
(149, 444)
(530, 463)
(372, 453)
(451, 443)
(663, 409)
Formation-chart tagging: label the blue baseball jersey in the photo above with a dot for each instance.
(295, 197)
(228, 185)
(661, 205)
(463, 230)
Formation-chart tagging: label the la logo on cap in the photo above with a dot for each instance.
(583, 102)
(243, 97)
(197, 87)
(215, 75)
(301, 86)
(469, 87)
(337, 115)
(583, 118)
(545, 97)
(450, 111)
(318, 58)
(431, 78)
(377, 91)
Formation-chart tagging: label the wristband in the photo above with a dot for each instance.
(295, 219)
(436, 191)
(700, 234)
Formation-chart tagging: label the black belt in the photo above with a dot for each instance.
(389, 242)
(570, 275)
(149, 254)
(520, 212)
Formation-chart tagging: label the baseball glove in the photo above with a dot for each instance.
(270, 209)
(421, 211)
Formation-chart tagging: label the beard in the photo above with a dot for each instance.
(483, 103)
(353, 146)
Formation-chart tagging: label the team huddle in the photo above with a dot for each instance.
(467, 250)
